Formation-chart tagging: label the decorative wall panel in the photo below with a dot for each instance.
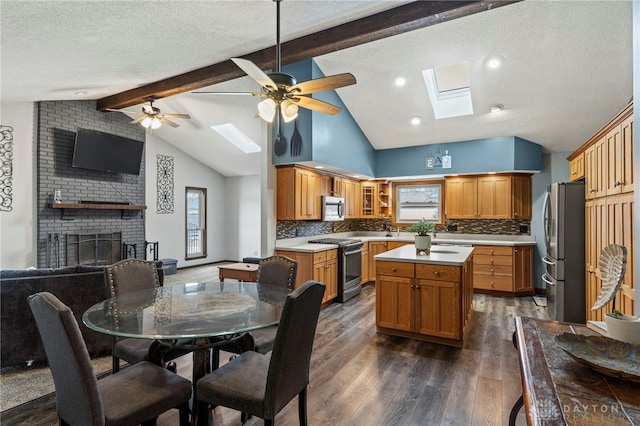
(165, 167)
(6, 168)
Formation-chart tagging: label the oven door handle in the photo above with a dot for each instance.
(353, 251)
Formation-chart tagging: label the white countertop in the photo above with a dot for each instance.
(455, 255)
(301, 244)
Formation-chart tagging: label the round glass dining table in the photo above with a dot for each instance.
(204, 315)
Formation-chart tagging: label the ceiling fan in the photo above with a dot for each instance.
(281, 90)
(151, 116)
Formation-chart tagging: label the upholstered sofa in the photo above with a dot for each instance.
(79, 287)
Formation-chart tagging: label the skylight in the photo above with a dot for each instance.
(236, 137)
(449, 90)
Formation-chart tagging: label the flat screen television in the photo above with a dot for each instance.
(110, 153)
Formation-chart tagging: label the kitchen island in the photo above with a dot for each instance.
(425, 297)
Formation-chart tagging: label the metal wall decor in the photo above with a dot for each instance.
(6, 168)
(164, 203)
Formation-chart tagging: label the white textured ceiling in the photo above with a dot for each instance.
(567, 68)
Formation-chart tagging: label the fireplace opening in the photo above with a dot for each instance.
(94, 248)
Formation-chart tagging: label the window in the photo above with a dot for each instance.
(416, 200)
(196, 223)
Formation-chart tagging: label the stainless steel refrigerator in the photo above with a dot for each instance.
(564, 260)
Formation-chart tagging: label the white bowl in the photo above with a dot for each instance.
(626, 329)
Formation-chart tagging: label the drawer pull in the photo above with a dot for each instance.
(394, 270)
(437, 273)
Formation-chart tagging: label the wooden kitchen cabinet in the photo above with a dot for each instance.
(395, 244)
(351, 194)
(424, 301)
(461, 197)
(609, 186)
(494, 197)
(503, 270)
(576, 168)
(488, 197)
(375, 247)
(364, 270)
(320, 266)
(298, 194)
(369, 207)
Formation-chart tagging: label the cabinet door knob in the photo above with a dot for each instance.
(616, 183)
(394, 270)
(592, 190)
(492, 272)
(437, 273)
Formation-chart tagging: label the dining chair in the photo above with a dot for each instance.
(124, 277)
(136, 395)
(262, 385)
(275, 270)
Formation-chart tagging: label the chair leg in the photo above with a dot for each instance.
(302, 407)
(115, 364)
(184, 414)
(244, 417)
(268, 422)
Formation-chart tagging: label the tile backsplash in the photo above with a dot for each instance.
(305, 228)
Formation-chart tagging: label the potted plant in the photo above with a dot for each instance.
(611, 271)
(422, 238)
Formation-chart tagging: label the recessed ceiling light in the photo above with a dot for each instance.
(355, 176)
(400, 81)
(496, 108)
(416, 120)
(319, 167)
(80, 93)
(495, 61)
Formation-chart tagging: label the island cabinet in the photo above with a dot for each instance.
(503, 270)
(298, 194)
(499, 196)
(319, 266)
(430, 302)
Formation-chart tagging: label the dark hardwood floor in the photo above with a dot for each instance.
(361, 378)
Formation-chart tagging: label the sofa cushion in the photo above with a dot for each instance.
(38, 272)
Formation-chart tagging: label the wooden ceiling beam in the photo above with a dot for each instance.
(399, 20)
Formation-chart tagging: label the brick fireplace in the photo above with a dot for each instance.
(84, 236)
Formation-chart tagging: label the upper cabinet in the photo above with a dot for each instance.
(607, 158)
(369, 199)
(298, 196)
(576, 168)
(503, 196)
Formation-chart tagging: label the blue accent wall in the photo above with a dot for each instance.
(477, 156)
(334, 140)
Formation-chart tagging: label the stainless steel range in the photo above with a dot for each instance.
(349, 266)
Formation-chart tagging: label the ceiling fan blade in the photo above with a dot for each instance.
(168, 122)
(172, 115)
(322, 84)
(253, 71)
(316, 105)
(139, 119)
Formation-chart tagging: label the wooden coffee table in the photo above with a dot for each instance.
(238, 271)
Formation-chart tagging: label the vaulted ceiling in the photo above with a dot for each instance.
(567, 65)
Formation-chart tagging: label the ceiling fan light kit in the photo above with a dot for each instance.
(151, 117)
(282, 90)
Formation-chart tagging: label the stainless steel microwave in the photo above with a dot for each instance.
(332, 208)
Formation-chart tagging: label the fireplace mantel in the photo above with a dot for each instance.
(80, 206)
